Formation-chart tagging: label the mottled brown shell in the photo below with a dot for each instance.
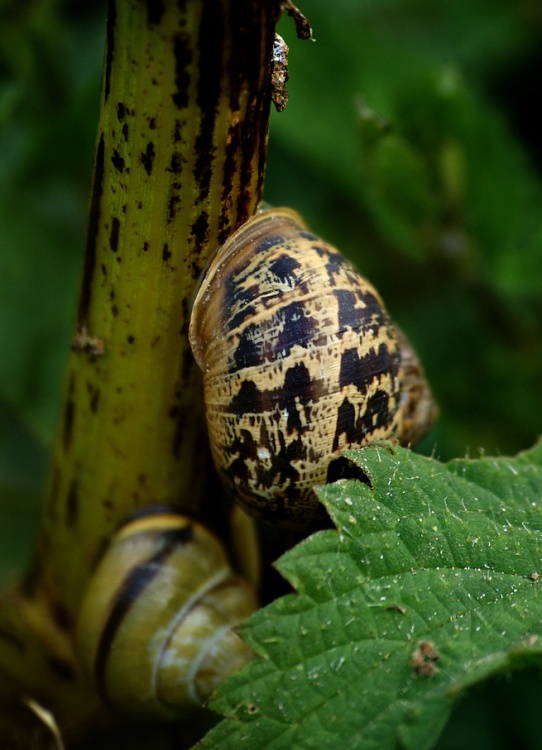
(300, 361)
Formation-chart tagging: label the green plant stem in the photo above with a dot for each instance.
(179, 165)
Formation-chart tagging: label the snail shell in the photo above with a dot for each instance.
(300, 360)
(155, 626)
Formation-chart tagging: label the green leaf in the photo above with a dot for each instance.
(429, 585)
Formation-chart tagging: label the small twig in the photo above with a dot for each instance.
(302, 26)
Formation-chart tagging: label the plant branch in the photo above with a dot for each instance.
(180, 156)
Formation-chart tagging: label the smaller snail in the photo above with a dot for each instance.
(300, 360)
(155, 627)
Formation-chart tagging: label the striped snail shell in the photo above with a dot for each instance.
(300, 360)
(155, 626)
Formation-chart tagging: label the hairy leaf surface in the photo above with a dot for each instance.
(429, 584)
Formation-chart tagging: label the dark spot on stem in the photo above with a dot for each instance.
(155, 11)
(183, 58)
(72, 504)
(69, 411)
(200, 228)
(68, 416)
(233, 148)
(173, 204)
(94, 400)
(118, 161)
(114, 236)
(177, 132)
(110, 46)
(147, 158)
(53, 493)
(175, 164)
(212, 33)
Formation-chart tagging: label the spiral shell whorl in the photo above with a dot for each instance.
(300, 360)
(155, 627)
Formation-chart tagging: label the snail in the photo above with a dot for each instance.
(155, 626)
(300, 360)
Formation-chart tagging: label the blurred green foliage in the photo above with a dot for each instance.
(50, 61)
(411, 141)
